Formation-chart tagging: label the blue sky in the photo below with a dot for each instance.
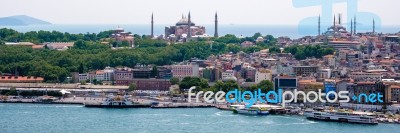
(169, 11)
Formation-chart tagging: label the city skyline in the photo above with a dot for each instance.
(238, 12)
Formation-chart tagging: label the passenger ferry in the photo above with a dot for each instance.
(116, 102)
(253, 110)
(342, 116)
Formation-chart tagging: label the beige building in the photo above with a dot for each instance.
(263, 74)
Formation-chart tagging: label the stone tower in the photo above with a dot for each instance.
(152, 26)
(216, 25)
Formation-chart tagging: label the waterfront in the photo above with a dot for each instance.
(76, 118)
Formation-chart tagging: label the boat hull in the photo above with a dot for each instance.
(250, 112)
(339, 119)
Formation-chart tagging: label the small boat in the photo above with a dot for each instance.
(45, 99)
(342, 116)
(116, 102)
(251, 111)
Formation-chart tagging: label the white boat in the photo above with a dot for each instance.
(253, 110)
(116, 102)
(342, 116)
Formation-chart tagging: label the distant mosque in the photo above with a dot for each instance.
(337, 29)
(119, 35)
(185, 29)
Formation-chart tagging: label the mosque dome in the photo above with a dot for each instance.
(119, 29)
(230, 78)
(184, 21)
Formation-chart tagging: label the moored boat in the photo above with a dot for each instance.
(117, 102)
(253, 110)
(342, 116)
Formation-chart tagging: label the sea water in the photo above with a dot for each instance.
(35, 118)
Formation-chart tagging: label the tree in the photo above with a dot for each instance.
(253, 88)
(83, 82)
(12, 92)
(234, 48)
(226, 86)
(125, 43)
(270, 39)
(154, 71)
(81, 68)
(300, 55)
(256, 35)
(229, 38)
(265, 85)
(80, 44)
(274, 49)
(132, 87)
(174, 81)
(188, 82)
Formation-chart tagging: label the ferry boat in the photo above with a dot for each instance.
(253, 110)
(117, 102)
(342, 116)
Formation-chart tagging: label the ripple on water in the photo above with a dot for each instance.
(73, 118)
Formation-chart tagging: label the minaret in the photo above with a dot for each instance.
(319, 25)
(216, 25)
(373, 26)
(351, 27)
(355, 24)
(334, 20)
(189, 30)
(152, 26)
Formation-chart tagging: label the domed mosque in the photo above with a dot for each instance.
(339, 38)
(181, 29)
(337, 30)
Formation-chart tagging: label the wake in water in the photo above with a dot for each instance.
(218, 113)
(287, 124)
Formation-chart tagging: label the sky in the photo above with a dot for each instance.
(270, 12)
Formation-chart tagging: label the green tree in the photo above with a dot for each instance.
(226, 86)
(12, 92)
(81, 44)
(266, 85)
(188, 82)
(124, 43)
(234, 48)
(253, 88)
(154, 71)
(229, 38)
(174, 81)
(132, 87)
(81, 69)
(256, 35)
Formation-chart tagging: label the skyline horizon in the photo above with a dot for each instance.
(272, 24)
(260, 12)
